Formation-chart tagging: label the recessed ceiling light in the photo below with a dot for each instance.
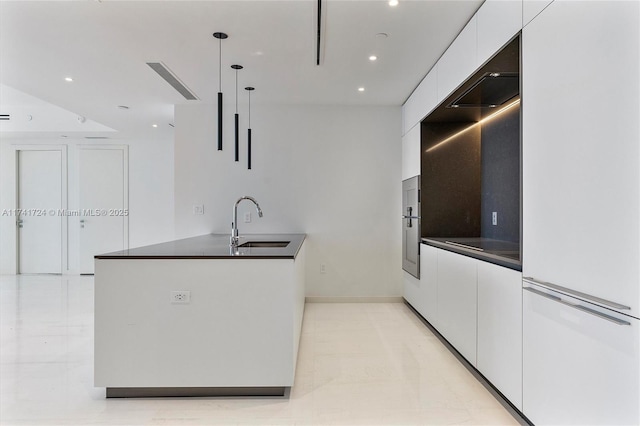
(69, 79)
(393, 2)
(373, 57)
(154, 125)
(360, 89)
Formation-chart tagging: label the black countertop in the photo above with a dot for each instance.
(214, 246)
(503, 253)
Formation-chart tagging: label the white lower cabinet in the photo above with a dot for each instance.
(458, 302)
(500, 329)
(477, 307)
(581, 362)
(411, 290)
(429, 283)
(422, 293)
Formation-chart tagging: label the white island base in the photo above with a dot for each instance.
(237, 335)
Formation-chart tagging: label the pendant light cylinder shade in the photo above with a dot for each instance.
(219, 121)
(249, 149)
(237, 121)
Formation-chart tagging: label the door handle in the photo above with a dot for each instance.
(578, 307)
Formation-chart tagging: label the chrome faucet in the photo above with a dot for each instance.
(233, 241)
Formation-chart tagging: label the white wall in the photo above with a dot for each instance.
(332, 172)
(150, 194)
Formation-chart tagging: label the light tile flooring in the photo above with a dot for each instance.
(359, 364)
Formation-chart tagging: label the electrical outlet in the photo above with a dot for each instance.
(198, 209)
(180, 297)
(494, 218)
(323, 268)
(247, 217)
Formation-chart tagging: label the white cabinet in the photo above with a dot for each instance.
(429, 283)
(530, 8)
(498, 22)
(411, 290)
(411, 153)
(579, 367)
(457, 302)
(421, 102)
(459, 61)
(581, 156)
(422, 293)
(500, 329)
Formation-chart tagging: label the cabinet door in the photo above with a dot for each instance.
(429, 284)
(579, 368)
(498, 22)
(530, 8)
(421, 102)
(411, 153)
(459, 61)
(457, 302)
(581, 156)
(500, 329)
(411, 290)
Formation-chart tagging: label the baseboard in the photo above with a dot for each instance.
(366, 299)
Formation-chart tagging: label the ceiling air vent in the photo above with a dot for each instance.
(96, 137)
(5, 117)
(170, 78)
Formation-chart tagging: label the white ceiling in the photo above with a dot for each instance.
(104, 47)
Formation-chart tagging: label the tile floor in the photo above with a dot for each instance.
(359, 364)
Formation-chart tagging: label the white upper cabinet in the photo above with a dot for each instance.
(500, 329)
(530, 8)
(421, 102)
(498, 22)
(581, 150)
(457, 302)
(411, 153)
(459, 61)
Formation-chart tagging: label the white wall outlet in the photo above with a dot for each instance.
(494, 218)
(323, 268)
(180, 297)
(198, 209)
(247, 217)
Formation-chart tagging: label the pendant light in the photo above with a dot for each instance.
(237, 117)
(249, 89)
(220, 37)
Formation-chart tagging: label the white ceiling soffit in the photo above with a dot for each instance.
(30, 115)
(105, 46)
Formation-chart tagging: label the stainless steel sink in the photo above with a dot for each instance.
(264, 244)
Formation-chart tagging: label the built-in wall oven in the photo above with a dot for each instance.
(411, 226)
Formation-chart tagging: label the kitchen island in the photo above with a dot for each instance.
(196, 317)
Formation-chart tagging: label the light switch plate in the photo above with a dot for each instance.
(247, 217)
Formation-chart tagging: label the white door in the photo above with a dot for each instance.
(40, 197)
(103, 203)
